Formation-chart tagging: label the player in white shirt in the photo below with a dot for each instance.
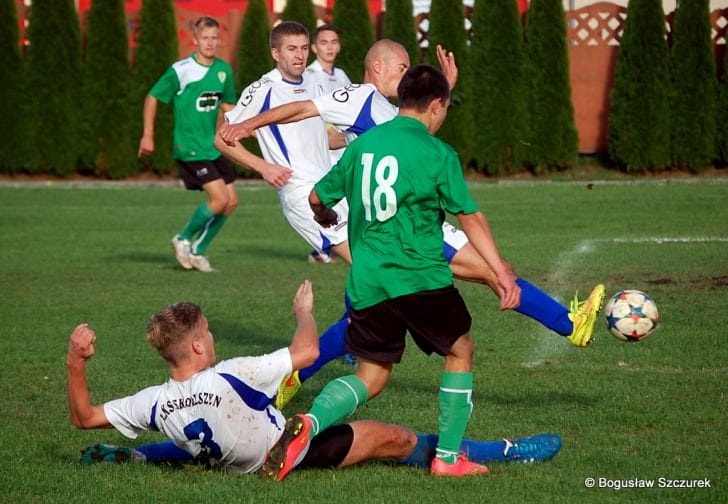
(294, 155)
(357, 107)
(323, 70)
(221, 414)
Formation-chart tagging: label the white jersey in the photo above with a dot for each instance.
(355, 108)
(288, 145)
(327, 83)
(223, 414)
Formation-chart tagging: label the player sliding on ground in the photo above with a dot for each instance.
(221, 413)
(354, 109)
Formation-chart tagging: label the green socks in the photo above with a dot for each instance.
(338, 399)
(456, 405)
(208, 233)
(206, 224)
(201, 215)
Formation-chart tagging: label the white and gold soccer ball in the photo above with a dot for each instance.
(631, 315)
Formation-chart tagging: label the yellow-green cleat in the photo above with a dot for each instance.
(584, 315)
(287, 389)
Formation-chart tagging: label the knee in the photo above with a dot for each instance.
(218, 205)
(232, 204)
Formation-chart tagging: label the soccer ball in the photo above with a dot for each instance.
(631, 315)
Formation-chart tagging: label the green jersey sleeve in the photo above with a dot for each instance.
(332, 187)
(166, 87)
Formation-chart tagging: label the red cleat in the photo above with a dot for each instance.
(463, 467)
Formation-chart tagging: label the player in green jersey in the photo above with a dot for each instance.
(399, 179)
(198, 87)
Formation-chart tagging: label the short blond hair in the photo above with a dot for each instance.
(170, 327)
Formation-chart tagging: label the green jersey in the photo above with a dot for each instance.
(196, 91)
(398, 179)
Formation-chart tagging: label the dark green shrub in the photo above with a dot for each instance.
(553, 142)
(253, 48)
(357, 36)
(54, 76)
(301, 11)
(498, 103)
(447, 28)
(156, 50)
(721, 137)
(694, 100)
(639, 121)
(106, 125)
(15, 146)
(399, 25)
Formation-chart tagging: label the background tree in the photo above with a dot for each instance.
(254, 59)
(399, 25)
(722, 117)
(14, 152)
(357, 36)
(156, 50)
(553, 142)
(106, 124)
(498, 105)
(301, 11)
(447, 28)
(253, 47)
(639, 121)
(54, 68)
(693, 107)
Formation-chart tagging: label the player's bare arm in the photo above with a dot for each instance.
(84, 415)
(304, 347)
(447, 65)
(324, 216)
(337, 140)
(275, 175)
(282, 114)
(477, 229)
(146, 144)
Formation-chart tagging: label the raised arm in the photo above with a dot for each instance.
(477, 229)
(448, 66)
(290, 112)
(304, 347)
(84, 415)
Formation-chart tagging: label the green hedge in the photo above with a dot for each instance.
(53, 83)
(694, 100)
(156, 51)
(399, 25)
(447, 28)
(357, 36)
(108, 149)
(498, 90)
(639, 122)
(553, 142)
(15, 154)
(510, 110)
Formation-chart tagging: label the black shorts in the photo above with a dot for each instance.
(195, 174)
(330, 448)
(435, 319)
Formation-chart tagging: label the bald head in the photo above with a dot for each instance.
(385, 64)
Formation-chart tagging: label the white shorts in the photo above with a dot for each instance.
(454, 238)
(299, 215)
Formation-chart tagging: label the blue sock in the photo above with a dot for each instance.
(331, 347)
(165, 451)
(541, 307)
(477, 451)
(424, 451)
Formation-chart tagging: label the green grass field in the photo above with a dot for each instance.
(650, 410)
